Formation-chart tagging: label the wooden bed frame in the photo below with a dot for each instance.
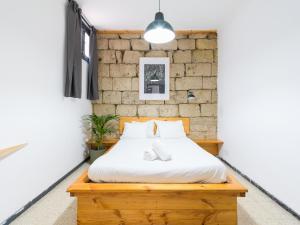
(156, 204)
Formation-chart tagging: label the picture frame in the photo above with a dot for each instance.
(154, 81)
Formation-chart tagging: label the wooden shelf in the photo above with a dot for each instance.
(213, 146)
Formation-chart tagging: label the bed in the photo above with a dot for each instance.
(133, 197)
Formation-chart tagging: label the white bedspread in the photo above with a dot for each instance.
(190, 164)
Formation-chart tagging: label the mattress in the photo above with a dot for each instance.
(190, 164)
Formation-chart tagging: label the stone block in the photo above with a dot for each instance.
(208, 109)
(132, 57)
(186, 44)
(155, 102)
(189, 110)
(209, 83)
(181, 36)
(170, 55)
(119, 56)
(182, 56)
(102, 44)
(103, 70)
(205, 56)
(156, 54)
(201, 96)
(107, 56)
(121, 84)
(108, 36)
(214, 96)
(130, 36)
(206, 43)
(148, 110)
(104, 109)
(112, 97)
(122, 70)
(168, 110)
(177, 70)
(135, 84)
(172, 45)
(214, 69)
(106, 84)
(177, 97)
(119, 44)
(198, 69)
(187, 83)
(126, 110)
(98, 101)
(140, 45)
(131, 98)
(172, 84)
(212, 35)
(216, 55)
(199, 35)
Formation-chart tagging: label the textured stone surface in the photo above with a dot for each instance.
(148, 110)
(172, 45)
(189, 110)
(168, 110)
(208, 109)
(106, 84)
(202, 96)
(199, 69)
(103, 70)
(126, 110)
(119, 44)
(107, 56)
(199, 56)
(131, 97)
(135, 84)
(177, 97)
(112, 97)
(177, 70)
(186, 44)
(122, 70)
(186, 83)
(121, 84)
(140, 44)
(132, 57)
(190, 69)
(209, 83)
(156, 54)
(104, 109)
(102, 44)
(182, 56)
(206, 43)
(129, 36)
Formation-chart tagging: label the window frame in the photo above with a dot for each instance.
(84, 30)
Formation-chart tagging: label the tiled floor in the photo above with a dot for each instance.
(58, 208)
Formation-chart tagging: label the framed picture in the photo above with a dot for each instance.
(154, 78)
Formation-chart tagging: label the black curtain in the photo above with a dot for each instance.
(73, 60)
(92, 81)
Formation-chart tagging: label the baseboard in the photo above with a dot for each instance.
(262, 189)
(29, 204)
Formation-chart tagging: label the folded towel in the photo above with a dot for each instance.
(160, 151)
(150, 155)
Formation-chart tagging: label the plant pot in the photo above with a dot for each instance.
(95, 154)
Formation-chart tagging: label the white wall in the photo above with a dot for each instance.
(259, 95)
(32, 106)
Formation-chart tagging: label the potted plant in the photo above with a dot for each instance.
(99, 127)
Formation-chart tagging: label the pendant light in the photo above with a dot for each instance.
(159, 31)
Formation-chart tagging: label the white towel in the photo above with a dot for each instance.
(160, 151)
(150, 155)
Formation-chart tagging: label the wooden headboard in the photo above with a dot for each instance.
(185, 121)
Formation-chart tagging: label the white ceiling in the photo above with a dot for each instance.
(137, 14)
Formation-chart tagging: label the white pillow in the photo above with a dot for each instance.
(170, 129)
(134, 130)
(150, 127)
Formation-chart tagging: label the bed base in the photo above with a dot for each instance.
(156, 204)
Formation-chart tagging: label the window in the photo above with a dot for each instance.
(85, 42)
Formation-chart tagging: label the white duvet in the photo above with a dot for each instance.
(190, 164)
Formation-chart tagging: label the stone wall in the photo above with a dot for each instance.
(193, 65)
